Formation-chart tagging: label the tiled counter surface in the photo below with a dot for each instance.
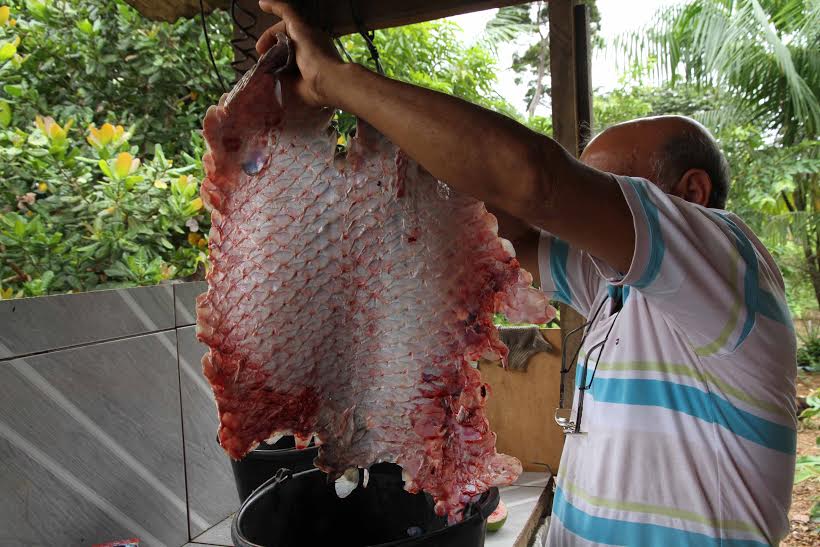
(521, 499)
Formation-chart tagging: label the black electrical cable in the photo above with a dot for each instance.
(341, 46)
(208, 44)
(244, 26)
(368, 36)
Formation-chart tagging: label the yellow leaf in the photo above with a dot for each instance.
(42, 187)
(106, 133)
(193, 238)
(194, 95)
(94, 137)
(197, 204)
(6, 294)
(55, 132)
(12, 22)
(202, 243)
(122, 165)
(40, 123)
(161, 184)
(5, 12)
(182, 181)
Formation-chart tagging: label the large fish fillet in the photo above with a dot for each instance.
(348, 296)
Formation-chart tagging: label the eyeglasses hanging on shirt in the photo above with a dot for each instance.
(563, 416)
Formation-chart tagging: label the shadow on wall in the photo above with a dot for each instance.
(107, 424)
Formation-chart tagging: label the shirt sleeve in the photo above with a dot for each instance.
(703, 268)
(568, 274)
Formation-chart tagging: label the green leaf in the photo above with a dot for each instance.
(19, 228)
(5, 114)
(7, 51)
(13, 89)
(85, 26)
(105, 169)
(809, 413)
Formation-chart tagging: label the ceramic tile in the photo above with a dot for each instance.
(532, 478)
(185, 301)
(211, 488)
(220, 534)
(521, 501)
(101, 426)
(31, 325)
(43, 504)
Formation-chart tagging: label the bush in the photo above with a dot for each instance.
(99, 145)
(808, 355)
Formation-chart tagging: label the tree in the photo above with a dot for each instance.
(532, 23)
(763, 58)
(431, 55)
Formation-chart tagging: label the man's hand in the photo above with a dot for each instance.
(476, 151)
(316, 56)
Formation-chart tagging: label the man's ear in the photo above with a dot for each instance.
(695, 186)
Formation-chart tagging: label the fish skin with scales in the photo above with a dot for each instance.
(348, 295)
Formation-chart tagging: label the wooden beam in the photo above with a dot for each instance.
(583, 75)
(567, 111)
(562, 74)
(335, 15)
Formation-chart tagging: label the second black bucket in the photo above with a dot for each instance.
(303, 509)
(266, 459)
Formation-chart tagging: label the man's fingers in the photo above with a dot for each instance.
(280, 9)
(268, 37)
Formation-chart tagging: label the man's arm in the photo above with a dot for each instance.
(523, 237)
(476, 151)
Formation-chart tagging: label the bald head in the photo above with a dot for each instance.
(676, 153)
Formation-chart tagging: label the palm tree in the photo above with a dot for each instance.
(764, 58)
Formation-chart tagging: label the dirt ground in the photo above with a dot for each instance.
(804, 533)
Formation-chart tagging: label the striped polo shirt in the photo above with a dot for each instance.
(688, 425)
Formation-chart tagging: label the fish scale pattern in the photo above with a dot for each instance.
(349, 295)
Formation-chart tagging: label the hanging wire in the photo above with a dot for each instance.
(341, 47)
(208, 44)
(369, 37)
(244, 52)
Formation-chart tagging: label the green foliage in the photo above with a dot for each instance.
(85, 203)
(761, 61)
(813, 402)
(529, 25)
(99, 61)
(432, 55)
(807, 467)
(762, 54)
(808, 357)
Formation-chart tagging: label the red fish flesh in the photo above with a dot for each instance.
(348, 296)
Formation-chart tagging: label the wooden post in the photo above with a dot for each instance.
(583, 75)
(571, 107)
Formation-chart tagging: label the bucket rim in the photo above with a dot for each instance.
(486, 504)
(270, 453)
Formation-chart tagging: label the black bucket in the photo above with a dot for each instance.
(265, 460)
(303, 509)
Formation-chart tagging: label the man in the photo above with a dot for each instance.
(688, 423)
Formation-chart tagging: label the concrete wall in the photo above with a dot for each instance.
(107, 425)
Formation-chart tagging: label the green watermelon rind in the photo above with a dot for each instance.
(497, 518)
